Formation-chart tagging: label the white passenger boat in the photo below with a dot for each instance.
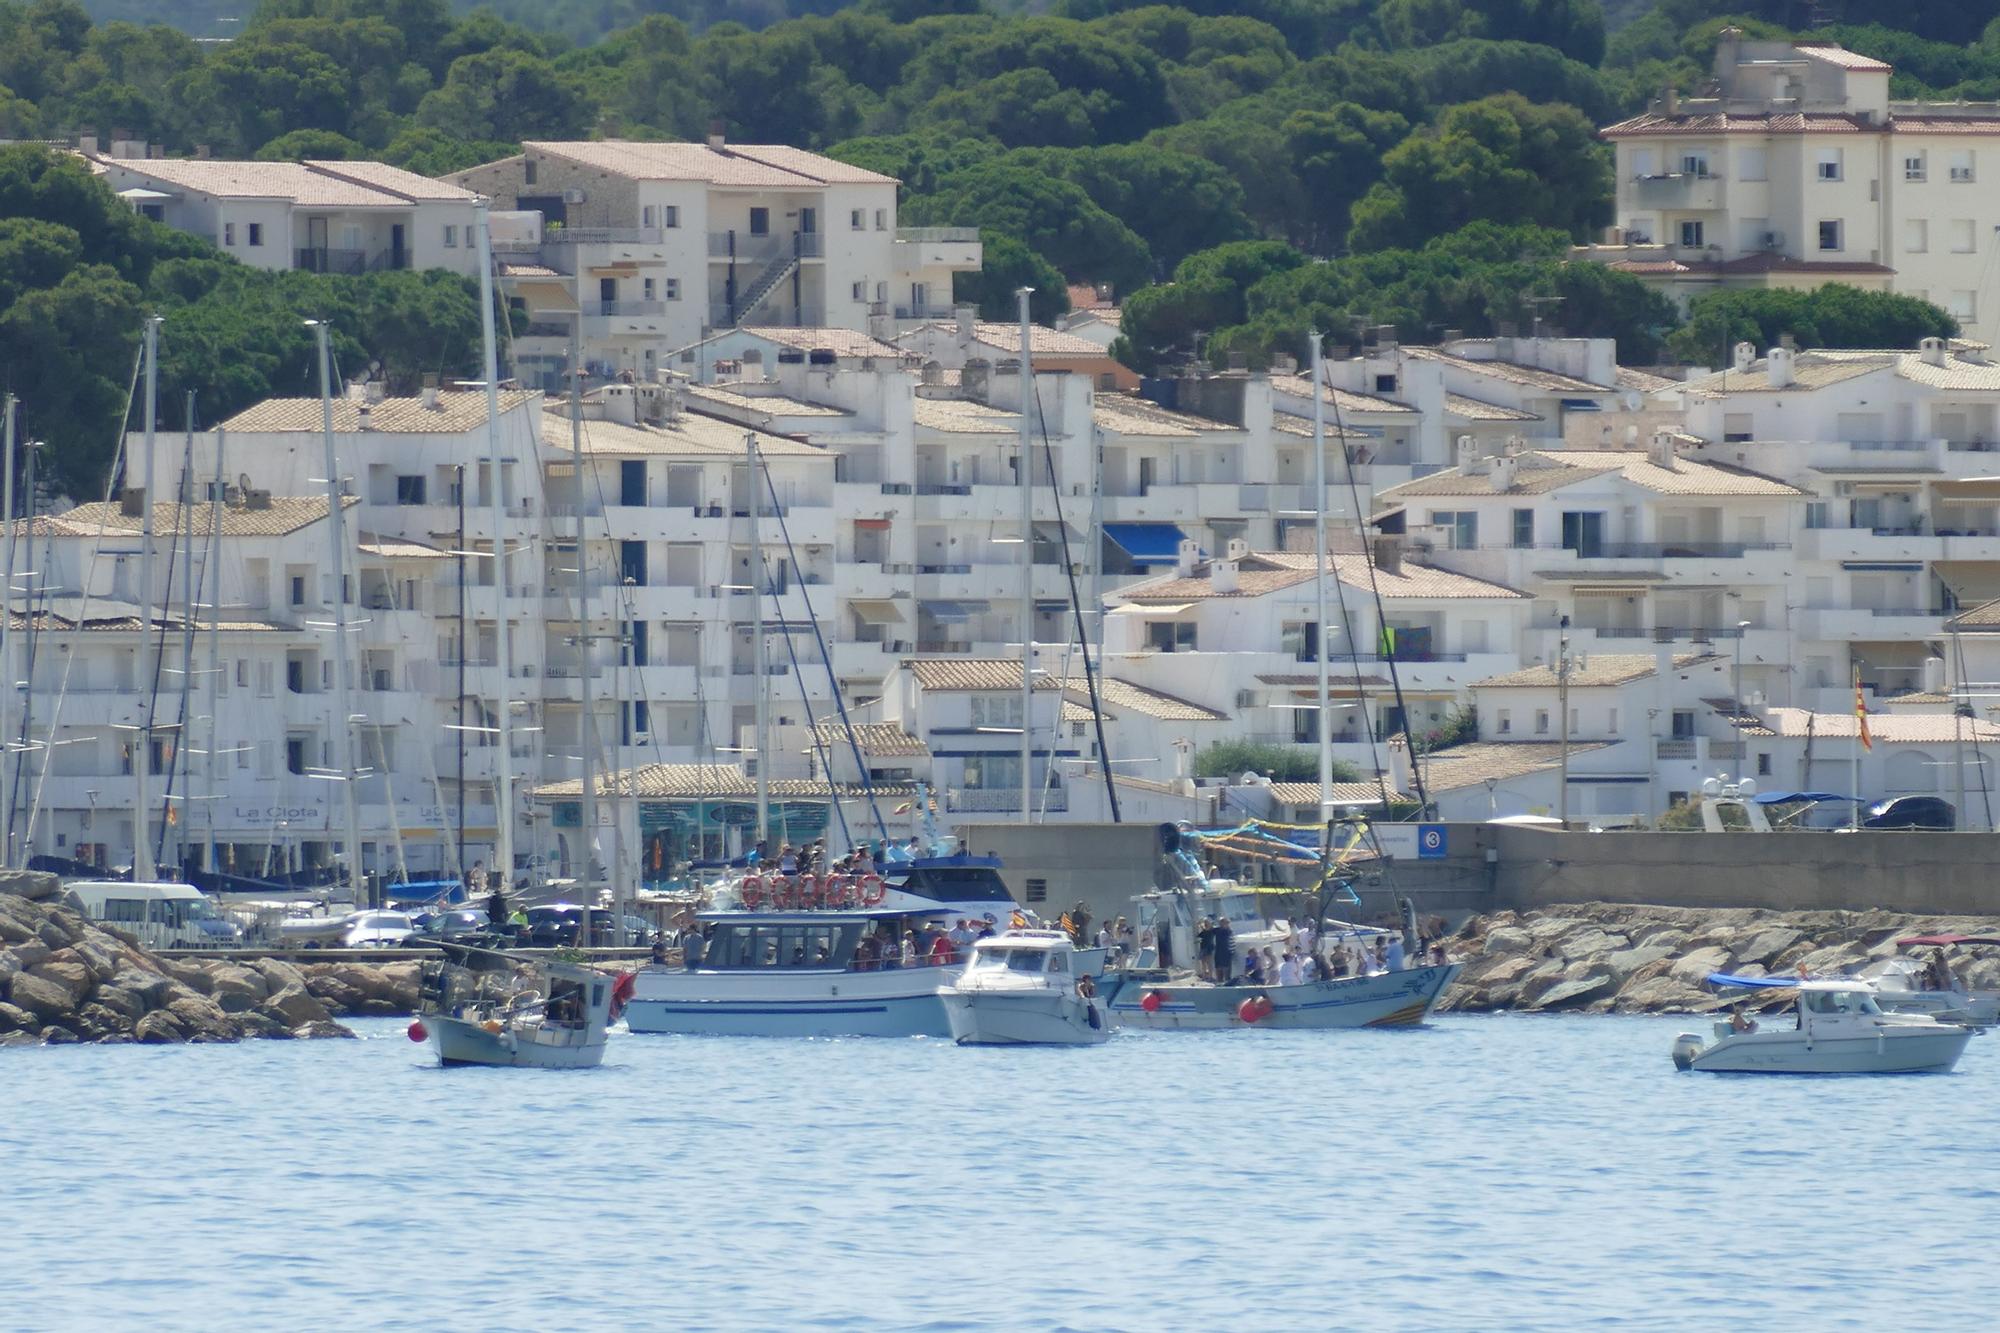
(798, 974)
(1913, 986)
(1839, 1029)
(1022, 988)
(485, 1007)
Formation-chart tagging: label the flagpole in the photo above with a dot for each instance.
(1860, 743)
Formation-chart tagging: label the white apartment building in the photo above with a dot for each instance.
(654, 245)
(324, 217)
(1798, 168)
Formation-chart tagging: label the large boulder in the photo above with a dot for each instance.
(34, 885)
(39, 996)
(71, 975)
(1578, 982)
(321, 1027)
(279, 974)
(13, 1018)
(1693, 968)
(236, 989)
(1764, 945)
(27, 954)
(120, 1001)
(1508, 939)
(159, 1026)
(1624, 962)
(150, 987)
(295, 1007)
(202, 1018)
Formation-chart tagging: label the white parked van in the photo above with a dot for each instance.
(162, 915)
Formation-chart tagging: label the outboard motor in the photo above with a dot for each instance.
(1686, 1047)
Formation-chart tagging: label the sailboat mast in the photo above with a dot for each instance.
(1325, 704)
(1027, 480)
(503, 790)
(142, 748)
(6, 615)
(343, 729)
(763, 685)
(587, 728)
(212, 580)
(190, 597)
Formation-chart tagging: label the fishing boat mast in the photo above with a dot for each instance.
(503, 788)
(7, 615)
(1027, 480)
(587, 728)
(213, 582)
(1320, 627)
(143, 867)
(763, 685)
(343, 730)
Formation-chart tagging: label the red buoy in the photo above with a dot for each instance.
(1249, 1011)
(1264, 1006)
(417, 1030)
(1151, 1001)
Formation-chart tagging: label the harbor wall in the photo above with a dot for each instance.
(1794, 872)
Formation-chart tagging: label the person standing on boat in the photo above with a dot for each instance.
(496, 908)
(1393, 959)
(1225, 950)
(1204, 949)
(694, 947)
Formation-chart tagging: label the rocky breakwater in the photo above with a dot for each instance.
(64, 978)
(1618, 958)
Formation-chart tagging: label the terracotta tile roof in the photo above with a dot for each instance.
(1341, 680)
(1889, 728)
(886, 740)
(1539, 471)
(1835, 54)
(841, 342)
(1959, 371)
(1984, 617)
(1471, 409)
(1528, 377)
(510, 269)
(704, 782)
(287, 514)
(1918, 123)
(1123, 694)
(971, 673)
(963, 416)
(1129, 414)
(1042, 341)
(1292, 423)
(108, 615)
(1475, 764)
(768, 404)
(1073, 711)
(1341, 793)
(1810, 370)
(308, 184)
(399, 548)
(1083, 296)
(1347, 400)
(458, 410)
(1592, 670)
(1643, 380)
(1265, 572)
(690, 436)
(767, 166)
(1790, 122)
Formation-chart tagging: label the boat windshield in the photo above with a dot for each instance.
(1841, 1002)
(1011, 960)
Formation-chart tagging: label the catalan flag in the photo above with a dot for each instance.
(1861, 714)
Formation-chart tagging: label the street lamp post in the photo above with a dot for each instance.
(1562, 706)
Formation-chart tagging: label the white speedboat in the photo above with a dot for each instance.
(1914, 986)
(1024, 988)
(1839, 1029)
(483, 1007)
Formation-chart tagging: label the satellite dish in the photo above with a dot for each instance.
(243, 483)
(1746, 787)
(1711, 787)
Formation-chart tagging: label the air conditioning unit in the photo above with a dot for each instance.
(574, 196)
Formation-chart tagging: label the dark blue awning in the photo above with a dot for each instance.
(1147, 543)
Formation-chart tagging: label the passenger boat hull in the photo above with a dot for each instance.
(1387, 999)
(1022, 1018)
(1891, 1051)
(465, 1041)
(901, 1002)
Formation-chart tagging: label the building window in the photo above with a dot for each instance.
(1829, 235)
(1461, 528)
(1916, 167)
(1961, 167)
(881, 219)
(1763, 764)
(1964, 306)
(229, 233)
(1829, 164)
(860, 291)
(256, 230)
(1170, 636)
(1963, 236)
(410, 490)
(1541, 721)
(1524, 529)
(1385, 384)
(528, 171)
(1036, 891)
(298, 590)
(1611, 725)
(451, 236)
(1738, 427)
(1694, 164)
(857, 219)
(760, 222)
(1691, 237)
(647, 289)
(1300, 638)
(1916, 236)
(673, 289)
(1505, 722)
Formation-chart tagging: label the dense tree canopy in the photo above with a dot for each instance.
(1835, 315)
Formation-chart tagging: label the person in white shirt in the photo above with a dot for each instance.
(1394, 961)
(1306, 938)
(1308, 968)
(1288, 971)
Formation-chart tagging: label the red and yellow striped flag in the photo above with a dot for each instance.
(1861, 714)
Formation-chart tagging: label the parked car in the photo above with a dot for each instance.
(1912, 812)
(376, 930)
(554, 926)
(458, 926)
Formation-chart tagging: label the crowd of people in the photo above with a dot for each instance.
(1304, 957)
(810, 858)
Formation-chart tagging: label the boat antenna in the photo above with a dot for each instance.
(503, 851)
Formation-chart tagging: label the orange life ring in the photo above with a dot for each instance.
(783, 894)
(815, 890)
(872, 892)
(753, 891)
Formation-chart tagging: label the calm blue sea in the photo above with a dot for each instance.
(1508, 1172)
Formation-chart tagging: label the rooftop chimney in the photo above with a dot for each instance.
(1932, 351)
(1778, 368)
(132, 504)
(1743, 356)
(1186, 556)
(973, 378)
(1388, 553)
(968, 321)
(431, 392)
(1222, 575)
(715, 134)
(361, 417)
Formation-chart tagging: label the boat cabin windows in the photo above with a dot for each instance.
(781, 944)
(1840, 1002)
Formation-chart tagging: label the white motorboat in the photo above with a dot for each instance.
(483, 1007)
(1840, 1029)
(1913, 986)
(1024, 988)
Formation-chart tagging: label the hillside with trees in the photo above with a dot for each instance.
(1241, 172)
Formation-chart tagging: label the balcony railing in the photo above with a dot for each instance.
(319, 259)
(1665, 633)
(922, 235)
(924, 312)
(1669, 550)
(560, 235)
(624, 307)
(992, 799)
(942, 647)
